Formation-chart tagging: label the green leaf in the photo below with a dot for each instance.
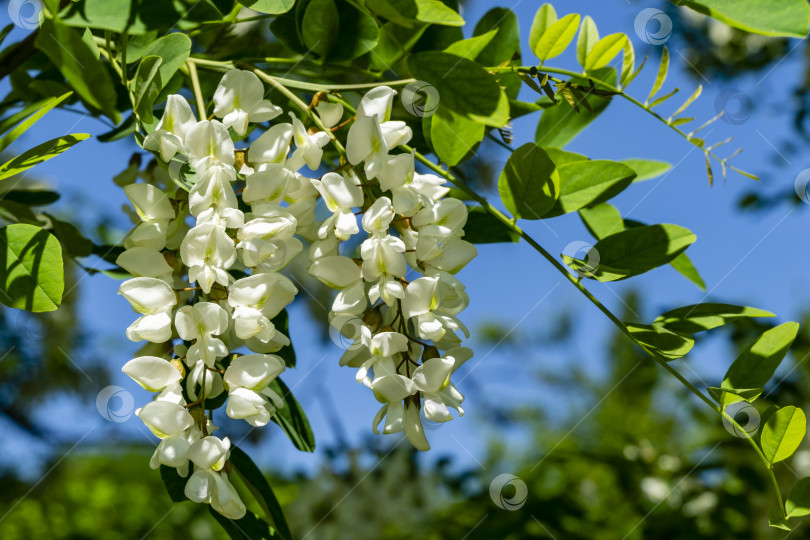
(147, 87)
(411, 12)
(661, 342)
(319, 27)
(484, 228)
(602, 220)
(789, 18)
(560, 124)
(292, 419)
(31, 272)
(30, 197)
(745, 394)
(562, 157)
(783, 433)
(584, 183)
(104, 14)
(661, 76)
(22, 122)
(256, 482)
(273, 7)
(472, 47)
(358, 34)
(798, 502)
(683, 264)
(72, 240)
(647, 169)
(506, 43)
(40, 153)
(529, 183)
(776, 520)
(281, 322)
(639, 250)
(556, 38)
(757, 363)
(543, 19)
(463, 86)
(250, 527)
(588, 37)
(84, 72)
(453, 136)
(628, 63)
(701, 317)
(604, 51)
(174, 49)
(175, 484)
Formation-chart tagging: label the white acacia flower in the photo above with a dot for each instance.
(373, 134)
(249, 398)
(272, 147)
(336, 271)
(239, 99)
(432, 379)
(208, 252)
(403, 417)
(377, 218)
(214, 488)
(207, 144)
(267, 243)
(154, 299)
(213, 189)
(383, 257)
(167, 139)
(330, 113)
(172, 452)
(155, 210)
(152, 373)
(433, 302)
(164, 418)
(209, 382)
(308, 148)
(145, 262)
(270, 185)
(341, 194)
(381, 346)
(256, 300)
(453, 257)
(201, 322)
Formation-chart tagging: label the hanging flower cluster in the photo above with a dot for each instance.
(188, 248)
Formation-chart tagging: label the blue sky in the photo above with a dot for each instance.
(751, 259)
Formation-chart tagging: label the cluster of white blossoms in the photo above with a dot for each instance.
(188, 248)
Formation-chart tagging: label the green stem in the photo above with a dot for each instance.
(195, 86)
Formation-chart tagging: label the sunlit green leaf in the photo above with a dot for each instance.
(647, 169)
(453, 136)
(660, 341)
(639, 250)
(588, 37)
(31, 269)
(529, 183)
(464, 86)
(798, 502)
(783, 433)
(272, 7)
(319, 27)
(706, 316)
(602, 220)
(757, 363)
(292, 419)
(147, 86)
(790, 18)
(40, 153)
(604, 51)
(583, 183)
(556, 38)
(22, 122)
